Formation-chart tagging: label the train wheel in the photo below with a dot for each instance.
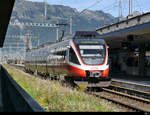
(55, 77)
(70, 81)
(35, 72)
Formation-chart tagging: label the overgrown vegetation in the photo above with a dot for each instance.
(54, 97)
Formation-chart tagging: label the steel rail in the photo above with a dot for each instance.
(128, 101)
(130, 91)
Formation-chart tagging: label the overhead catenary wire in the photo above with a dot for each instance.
(139, 5)
(97, 2)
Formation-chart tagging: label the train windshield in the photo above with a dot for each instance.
(92, 52)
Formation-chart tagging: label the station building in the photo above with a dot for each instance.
(129, 46)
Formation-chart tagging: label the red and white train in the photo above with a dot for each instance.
(82, 58)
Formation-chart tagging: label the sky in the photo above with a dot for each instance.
(108, 6)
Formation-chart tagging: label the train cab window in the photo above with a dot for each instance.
(72, 57)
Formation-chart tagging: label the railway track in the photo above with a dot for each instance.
(134, 92)
(131, 102)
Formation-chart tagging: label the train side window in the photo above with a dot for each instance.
(72, 57)
(60, 53)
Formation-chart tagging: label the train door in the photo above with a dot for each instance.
(67, 54)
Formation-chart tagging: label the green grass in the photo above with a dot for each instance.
(54, 97)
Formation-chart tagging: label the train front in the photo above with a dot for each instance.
(88, 60)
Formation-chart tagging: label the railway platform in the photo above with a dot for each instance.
(13, 98)
(135, 82)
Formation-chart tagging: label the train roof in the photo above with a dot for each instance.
(69, 36)
(45, 44)
(65, 40)
(86, 34)
(6, 7)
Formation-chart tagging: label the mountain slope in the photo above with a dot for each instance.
(26, 11)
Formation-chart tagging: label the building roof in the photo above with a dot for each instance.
(6, 7)
(137, 27)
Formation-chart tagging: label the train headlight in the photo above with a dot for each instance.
(105, 73)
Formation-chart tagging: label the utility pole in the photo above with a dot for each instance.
(57, 37)
(70, 25)
(120, 10)
(130, 10)
(45, 9)
(28, 42)
(130, 7)
(105, 22)
(57, 31)
(67, 19)
(38, 42)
